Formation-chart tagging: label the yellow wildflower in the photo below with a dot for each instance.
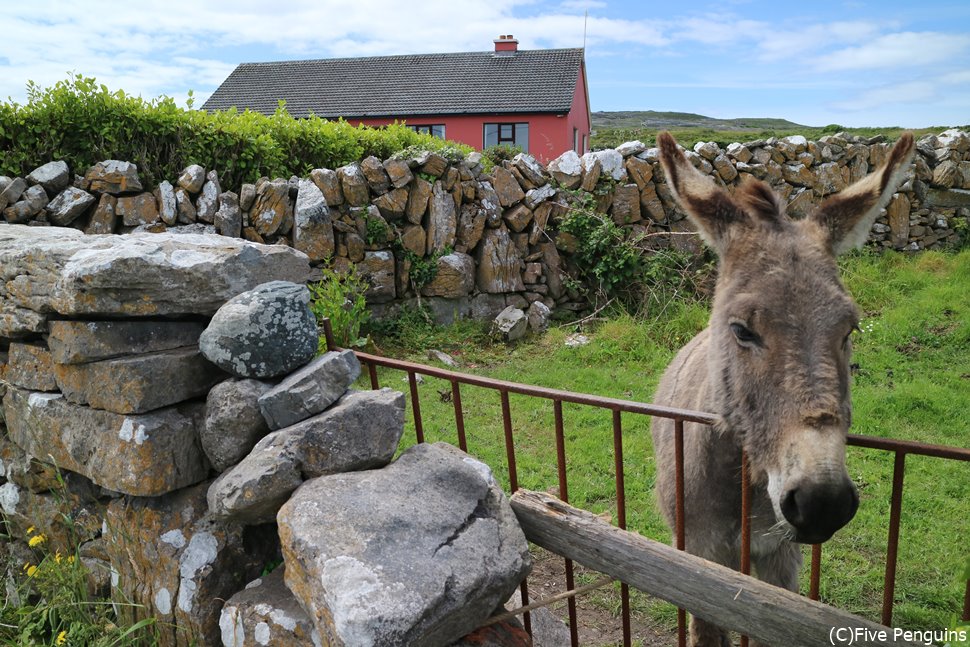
(70, 559)
(31, 570)
(36, 540)
(26, 566)
(30, 530)
(57, 557)
(61, 638)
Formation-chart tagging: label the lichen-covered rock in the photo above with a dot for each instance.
(137, 210)
(63, 518)
(208, 201)
(167, 206)
(228, 219)
(53, 176)
(360, 432)
(264, 332)
(442, 220)
(68, 205)
(518, 217)
(266, 613)
(377, 268)
(31, 203)
(138, 383)
(77, 342)
(30, 367)
(142, 455)
(418, 198)
(399, 172)
(104, 219)
(192, 178)
(114, 177)
(471, 226)
(455, 277)
(567, 170)
(510, 325)
(499, 263)
(312, 227)
(309, 390)
(377, 178)
(270, 206)
(392, 204)
(56, 269)
(173, 562)
(626, 204)
(373, 574)
(353, 182)
(506, 187)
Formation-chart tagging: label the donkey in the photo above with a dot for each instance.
(773, 365)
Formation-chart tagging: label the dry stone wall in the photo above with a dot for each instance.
(166, 418)
(489, 239)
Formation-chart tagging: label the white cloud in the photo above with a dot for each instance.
(898, 50)
(908, 92)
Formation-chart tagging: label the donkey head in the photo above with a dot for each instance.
(780, 331)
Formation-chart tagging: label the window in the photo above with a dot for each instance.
(576, 141)
(438, 130)
(513, 134)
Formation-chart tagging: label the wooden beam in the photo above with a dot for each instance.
(734, 601)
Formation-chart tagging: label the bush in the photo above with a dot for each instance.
(82, 122)
(340, 298)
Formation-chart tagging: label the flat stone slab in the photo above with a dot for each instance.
(139, 383)
(309, 390)
(142, 455)
(58, 269)
(420, 552)
(266, 613)
(77, 342)
(361, 431)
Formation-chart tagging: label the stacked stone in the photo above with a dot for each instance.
(164, 407)
(492, 237)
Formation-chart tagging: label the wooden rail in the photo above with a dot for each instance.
(711, 591)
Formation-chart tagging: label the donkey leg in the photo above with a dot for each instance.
(705, 634)
(779, 567)
(716, 548)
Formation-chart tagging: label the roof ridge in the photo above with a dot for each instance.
(387, 56)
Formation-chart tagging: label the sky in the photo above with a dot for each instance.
(850, 62)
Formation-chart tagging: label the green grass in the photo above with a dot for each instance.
(913, 382)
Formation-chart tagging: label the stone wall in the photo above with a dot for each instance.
(165, 417)
(492, 236)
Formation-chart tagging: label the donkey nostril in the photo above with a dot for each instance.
(789, 508)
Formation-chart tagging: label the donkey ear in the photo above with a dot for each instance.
(709, 207)
(847, 216)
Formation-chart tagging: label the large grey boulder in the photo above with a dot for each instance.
(233, 422)
(142, 455)
(265, 332)
(499, 263)
(309, 390)
(192, 178)
(418, 553)
(511, 324)
(57, 269)
(361, 431)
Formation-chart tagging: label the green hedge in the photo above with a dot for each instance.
(82, 122)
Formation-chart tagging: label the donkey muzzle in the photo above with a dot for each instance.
(817, 509)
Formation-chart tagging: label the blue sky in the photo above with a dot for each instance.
(854, 62)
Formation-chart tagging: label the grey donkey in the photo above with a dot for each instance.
(773, 365)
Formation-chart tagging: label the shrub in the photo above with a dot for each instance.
(82, 122)
(340, 298)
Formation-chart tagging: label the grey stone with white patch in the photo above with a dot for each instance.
(418, 553)
(192, 178)
(361, 431)
(233, 423)
(538, 315)
(208, 201)
(266, 613)
(510, 324)
(264, 332)
(78, 342)
(68, 205)
(309, 390)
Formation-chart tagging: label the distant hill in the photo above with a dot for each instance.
(654, 119)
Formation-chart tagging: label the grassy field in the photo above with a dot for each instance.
(613, 128)
(912, 382)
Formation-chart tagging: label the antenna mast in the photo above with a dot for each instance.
(585, 20)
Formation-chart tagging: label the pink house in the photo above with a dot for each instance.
(534, 99)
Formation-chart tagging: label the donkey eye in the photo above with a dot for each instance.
(744, 334)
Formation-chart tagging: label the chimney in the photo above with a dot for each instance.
(506, 45)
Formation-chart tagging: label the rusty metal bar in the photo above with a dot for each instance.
(526, 617)
(509, 444)
(627, 406)
(328, 335)
(679, 532)
(564, 495)
(892, 548)
(459, 416)
(621, 517)
(416, 407)
(910, 447)
(745, 523)
(372, 371)
(814, 577)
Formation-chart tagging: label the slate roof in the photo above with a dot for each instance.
(420, 84)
